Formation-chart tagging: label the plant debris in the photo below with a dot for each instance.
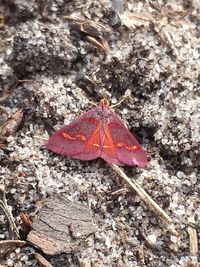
(14, 232)
(12, 124)
(166, 220)
(61, 226)
(192, 231)
(41, 260)
(95, 32)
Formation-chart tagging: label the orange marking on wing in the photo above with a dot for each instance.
(133, 148)
(81, 137)
(106, 146)
(76, 137)
(119, 145)
(97, 145)
(122, 145)
(65, 135)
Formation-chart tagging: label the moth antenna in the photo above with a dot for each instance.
(97, 104)
(124, 97)
(118, 103)
(92, 103)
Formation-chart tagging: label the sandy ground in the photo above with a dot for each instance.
(154, 52)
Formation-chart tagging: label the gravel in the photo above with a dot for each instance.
(159, 63)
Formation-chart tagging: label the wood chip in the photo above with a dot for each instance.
(61, 226)
(42, 261)
(26, 221)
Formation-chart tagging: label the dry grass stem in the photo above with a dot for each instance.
(194, 251)
(4, 206)
(152, 205)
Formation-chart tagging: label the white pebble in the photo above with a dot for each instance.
(10, 262)
(152, 238)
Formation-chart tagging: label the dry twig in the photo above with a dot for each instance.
(4, 206)
(194, 251)
(153, 206)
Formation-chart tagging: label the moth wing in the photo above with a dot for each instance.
(80, 139)
(128, 150)
(109, 152)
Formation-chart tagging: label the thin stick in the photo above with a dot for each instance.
(194, 251)
(126, 95)
(193, 237)
(153, 206)
(5, 208)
